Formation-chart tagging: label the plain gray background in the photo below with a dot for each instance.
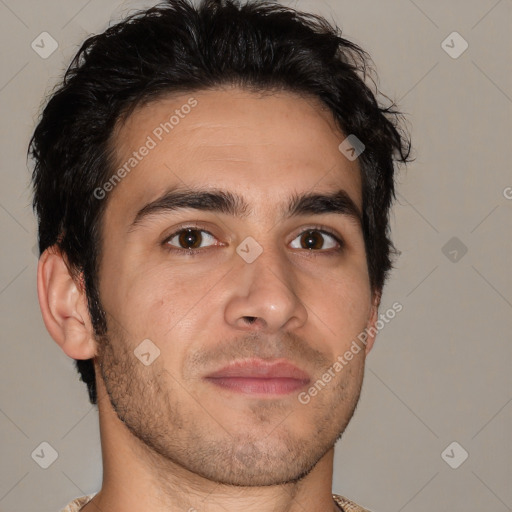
(440, 370)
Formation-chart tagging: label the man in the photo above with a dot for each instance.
(212, 186)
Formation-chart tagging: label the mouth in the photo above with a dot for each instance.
(259, 377)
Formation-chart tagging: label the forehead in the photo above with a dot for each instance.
(266, 146)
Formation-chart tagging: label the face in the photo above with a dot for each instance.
(272, 289)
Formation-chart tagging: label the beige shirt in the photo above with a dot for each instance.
(346, 505)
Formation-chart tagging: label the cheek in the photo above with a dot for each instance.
(342, 301)
(167, 302)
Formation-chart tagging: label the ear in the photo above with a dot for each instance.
(63, 306)
(371, 328)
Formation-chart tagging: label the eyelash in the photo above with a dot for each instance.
(195, 252)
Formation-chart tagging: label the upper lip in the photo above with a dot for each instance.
(259, 368)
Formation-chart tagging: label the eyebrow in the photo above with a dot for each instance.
(223, 201)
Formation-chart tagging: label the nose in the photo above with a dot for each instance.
(264, 297)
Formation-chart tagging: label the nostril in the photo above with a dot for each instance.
(250, 319)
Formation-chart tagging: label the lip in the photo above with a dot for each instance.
(256, 376)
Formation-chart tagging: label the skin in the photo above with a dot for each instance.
(171, 440)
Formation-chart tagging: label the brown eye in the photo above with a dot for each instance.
(311, 240)
(315, 239)
(189, 238)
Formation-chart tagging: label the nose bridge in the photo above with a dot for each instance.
(265, 265)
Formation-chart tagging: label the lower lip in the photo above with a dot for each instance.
(260, 386)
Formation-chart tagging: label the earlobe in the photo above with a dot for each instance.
(64, 306)
(371, 328)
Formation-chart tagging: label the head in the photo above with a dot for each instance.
(241, 109)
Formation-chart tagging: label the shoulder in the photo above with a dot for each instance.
(78, 503)
(347, 505)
